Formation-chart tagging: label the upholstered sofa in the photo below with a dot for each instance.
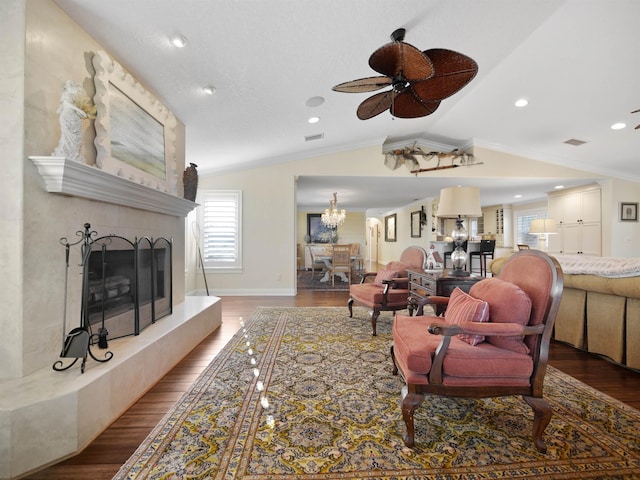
(598, 314)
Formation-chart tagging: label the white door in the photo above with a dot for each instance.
(372, 242)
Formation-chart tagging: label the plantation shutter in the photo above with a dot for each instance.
(221, 229)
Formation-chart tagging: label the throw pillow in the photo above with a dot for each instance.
(463, 307)
(508, 304)
(384, 274)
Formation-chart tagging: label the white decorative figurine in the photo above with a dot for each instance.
(75, 105)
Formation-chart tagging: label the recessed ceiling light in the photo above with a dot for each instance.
(209, 89)
(558, 187)
(314, 120)
(618, 126)
(522, 102)
(179, 41)
(517, 196)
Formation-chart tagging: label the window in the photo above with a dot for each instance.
(523, 222)
(221, 220)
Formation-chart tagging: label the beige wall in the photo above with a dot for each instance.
(33, 221)
(269, 247)
(11, 184)
(619, 239)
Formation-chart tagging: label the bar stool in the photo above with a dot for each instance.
(487, 249)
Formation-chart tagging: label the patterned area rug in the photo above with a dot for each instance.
(305, 282)
(307, 393)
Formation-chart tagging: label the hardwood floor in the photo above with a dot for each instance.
(102, 458)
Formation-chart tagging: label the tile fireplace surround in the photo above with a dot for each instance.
(47, 416)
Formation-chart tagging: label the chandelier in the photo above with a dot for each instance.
(332, 217)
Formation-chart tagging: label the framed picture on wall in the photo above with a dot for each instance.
(628, 212)
(390, 228)
(416, 225)
(135, 133)
(317, 231)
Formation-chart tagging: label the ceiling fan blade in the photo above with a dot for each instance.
(399, 58)
(375, 105)
(407, 105)
(368, 84)
(453, 71)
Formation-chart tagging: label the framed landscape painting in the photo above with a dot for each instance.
(317, 231)
(135, 133)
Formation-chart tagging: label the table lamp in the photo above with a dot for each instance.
(458, 202)
(543, 227)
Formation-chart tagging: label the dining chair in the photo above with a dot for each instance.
(316, 263)
(356, 257)
(340, 262)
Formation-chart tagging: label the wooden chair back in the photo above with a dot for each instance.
(341, 261)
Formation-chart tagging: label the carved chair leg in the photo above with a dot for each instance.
(350, 305)
(374, 318)
(542, 417)
(393, 359)
(410, 401)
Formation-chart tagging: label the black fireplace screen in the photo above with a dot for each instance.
(128, 284)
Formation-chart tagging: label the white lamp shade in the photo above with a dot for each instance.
(459, 201)
(542, 226)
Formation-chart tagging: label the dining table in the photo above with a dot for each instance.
(327, 259)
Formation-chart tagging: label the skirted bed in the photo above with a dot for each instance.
(600, 306)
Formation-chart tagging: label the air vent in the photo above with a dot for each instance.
(314, 137)
(574, 142)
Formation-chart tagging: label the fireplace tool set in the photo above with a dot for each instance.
(77, 343)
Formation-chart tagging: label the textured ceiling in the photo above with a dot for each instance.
(576, 62)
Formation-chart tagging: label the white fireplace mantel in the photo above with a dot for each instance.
(76, 179)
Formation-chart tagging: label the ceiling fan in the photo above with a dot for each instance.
(419, 80)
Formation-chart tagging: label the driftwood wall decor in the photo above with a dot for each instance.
(409, 157)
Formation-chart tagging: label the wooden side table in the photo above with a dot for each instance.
(424, 283)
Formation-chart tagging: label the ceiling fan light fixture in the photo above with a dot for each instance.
(313, 120)
(618, 126)
(419, 80)
(398, 35)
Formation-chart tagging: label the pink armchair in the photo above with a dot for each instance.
(388, 289)
(492, 342)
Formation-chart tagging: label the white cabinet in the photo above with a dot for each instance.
(577, 216)
(497, 221)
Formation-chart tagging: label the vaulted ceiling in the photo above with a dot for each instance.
(575, 61)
